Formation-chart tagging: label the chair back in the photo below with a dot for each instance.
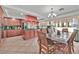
(43, 43)
(72, 37)
(64, 30)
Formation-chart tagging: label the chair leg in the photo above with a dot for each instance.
(69, 49)
(39, 51)
(73, 48)
(66, 50)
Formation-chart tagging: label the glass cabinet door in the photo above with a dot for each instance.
(62, 24)
(25, 26)
(77, 36)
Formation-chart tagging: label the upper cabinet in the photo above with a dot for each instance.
(62, 22)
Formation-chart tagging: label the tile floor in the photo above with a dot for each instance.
(16, 45)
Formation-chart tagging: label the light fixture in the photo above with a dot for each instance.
(52, 14)
(61, 9)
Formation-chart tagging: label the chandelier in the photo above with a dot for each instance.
(51, 14)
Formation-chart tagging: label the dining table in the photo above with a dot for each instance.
(62, 38)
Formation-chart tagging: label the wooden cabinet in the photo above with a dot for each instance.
(13, 27)
(1, 21)
(30, 33)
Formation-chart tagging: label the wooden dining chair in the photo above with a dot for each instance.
(71, 40)
(44, 46)
(66, 48)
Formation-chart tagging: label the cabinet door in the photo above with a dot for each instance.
(0, 31)
(77, 37)
(62, 24)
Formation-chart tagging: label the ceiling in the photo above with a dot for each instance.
(41, 11)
